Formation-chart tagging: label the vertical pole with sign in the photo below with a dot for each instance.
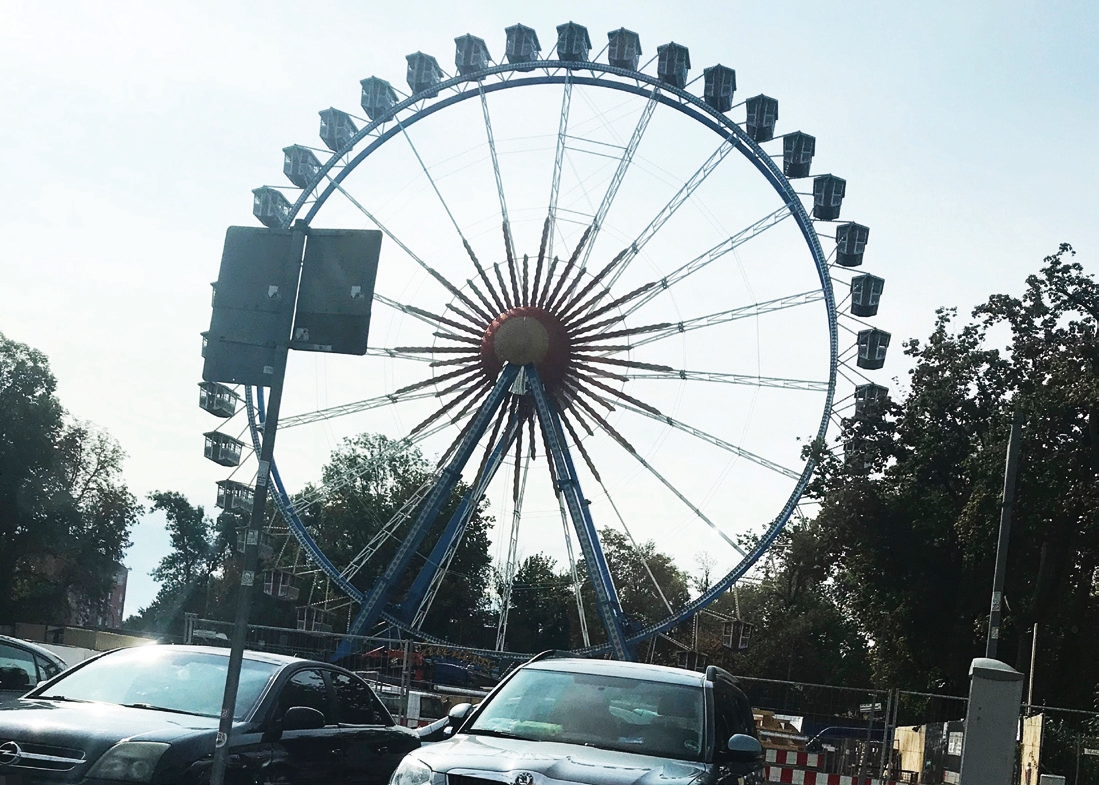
(276, 292)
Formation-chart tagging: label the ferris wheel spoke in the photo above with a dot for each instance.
(663, 330)
(509, 245)
(714, 440)
(477, 388)
(454, 290)
(588, 379)
(552, 299)
(747, 380)
(536, 284)
(579, 445)
(332, 412)
(653, 289)
(619, 264)
(425, 316)
(558, 161)
(620, 172)
(629, 448)
(637, 549)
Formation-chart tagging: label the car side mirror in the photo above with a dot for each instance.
(302, 718)
(742, 748)
(457, 714)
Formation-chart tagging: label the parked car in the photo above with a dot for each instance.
(596, 722)
(150, 714)
(24, 665)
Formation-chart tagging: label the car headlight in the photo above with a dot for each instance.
(129, 761)
(412, 771)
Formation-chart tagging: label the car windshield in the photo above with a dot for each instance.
(189, 682)
(634, 715)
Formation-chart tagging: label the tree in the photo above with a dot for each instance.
(200, 548)
(799, 632)
(65, 511)
(367, 481)
(542, 605)
(910, 505)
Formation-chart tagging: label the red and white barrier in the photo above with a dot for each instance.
(806, 760)
(801, 777)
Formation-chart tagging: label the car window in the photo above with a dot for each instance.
(17, 669)
(732, 713)
(47, 669)
(635, 715)
(356, 703)
(173, 679)
(306, 688)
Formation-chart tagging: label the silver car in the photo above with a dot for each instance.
(23, 666)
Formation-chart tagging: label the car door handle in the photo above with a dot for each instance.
(383, 750)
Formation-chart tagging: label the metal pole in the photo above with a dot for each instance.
(251, 550)
(247, 576)
(1005, 534)
(1030, 676)
(885, 736)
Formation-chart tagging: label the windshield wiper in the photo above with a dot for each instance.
(499, 734)
(151, 707)
(56, 698)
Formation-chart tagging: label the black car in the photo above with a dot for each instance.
(596, 722)
(150, 715)
(24, 665)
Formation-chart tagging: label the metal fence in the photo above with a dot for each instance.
(897, 735)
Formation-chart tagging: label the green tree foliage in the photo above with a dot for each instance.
(200, 549)
(800, 632)
(65, 511)
(542, 606)
(368, 480)
(910, 510)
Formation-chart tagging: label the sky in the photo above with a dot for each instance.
(136, 132)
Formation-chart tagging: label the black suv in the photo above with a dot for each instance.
(597, 722)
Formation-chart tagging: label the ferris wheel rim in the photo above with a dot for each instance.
(643, 85)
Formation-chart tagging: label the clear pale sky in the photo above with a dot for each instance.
(134, 133)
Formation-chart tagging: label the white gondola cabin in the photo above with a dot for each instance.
(314, 619)
(470, 54)
(522, 44)
(337, 128)
(378, 97)
(423, 74)
(828, 193)
(573, 43)
(217, 399)
(797, 154)
(673, 61)
(869, 398)
(719, 86)
(270, 207)
(623, 48)
(280, 584)
(851, 243)
(866, 291)
(222, 449)
(872, 347)
(234, 496)
(265, 544)
(299, 165)
(762, 117)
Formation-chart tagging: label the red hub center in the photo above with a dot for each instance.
(526, 335)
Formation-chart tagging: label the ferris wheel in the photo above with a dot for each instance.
(606, 301)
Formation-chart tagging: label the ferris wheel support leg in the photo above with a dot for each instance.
(375, 602)
(606, 597)
(452, 535)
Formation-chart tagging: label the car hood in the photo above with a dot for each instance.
(92, 728)
(502, 760)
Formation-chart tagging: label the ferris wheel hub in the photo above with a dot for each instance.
(525, 335)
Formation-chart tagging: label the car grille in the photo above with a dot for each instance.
(21, 756)
(463, 779)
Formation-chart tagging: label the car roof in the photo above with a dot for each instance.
(34, 647)
(629, 670)
(259, 656)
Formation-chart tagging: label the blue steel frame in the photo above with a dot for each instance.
(566, 72)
